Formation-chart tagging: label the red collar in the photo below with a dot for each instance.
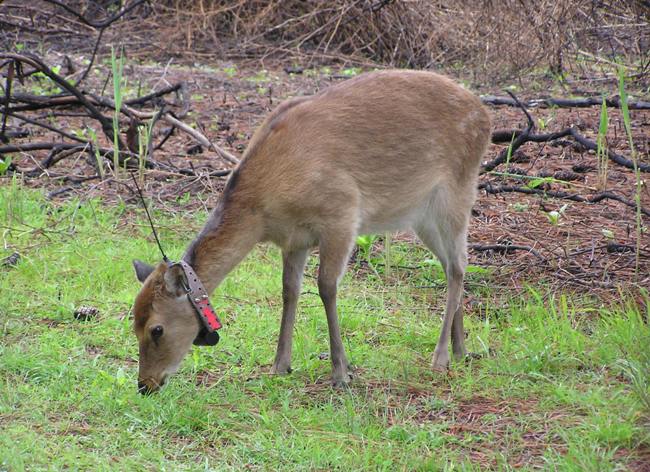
(199, 299)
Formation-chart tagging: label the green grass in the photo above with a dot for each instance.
(563, 384)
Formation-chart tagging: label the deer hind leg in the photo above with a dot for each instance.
(445, 233)
(293, 268)
(334, 252)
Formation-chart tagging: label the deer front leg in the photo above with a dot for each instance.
(293, 268)
(334, 252)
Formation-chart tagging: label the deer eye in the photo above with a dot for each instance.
(156, 332)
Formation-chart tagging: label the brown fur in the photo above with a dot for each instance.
(383, 151)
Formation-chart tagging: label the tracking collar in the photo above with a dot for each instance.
(198, 297)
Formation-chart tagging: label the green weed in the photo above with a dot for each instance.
(637, 172)
(117, 69)
(5, 162)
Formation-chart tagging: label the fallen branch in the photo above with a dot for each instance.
(69, 149)
(38, 102)
(97, 24)
(612, 155)
(492, 189)
(503, 136)
(37, 146)
(91, 102)
(505, 248)
(59, 151)
(614, 102)
(9, 80)
(169, 118)
(153, 95)
(93, 112)
(518, 140)
(47, 126)
(200, 138)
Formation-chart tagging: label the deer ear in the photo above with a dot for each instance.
(142, 270)
(175, 281)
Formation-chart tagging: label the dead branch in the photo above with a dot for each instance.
(39, 102)
(612, 155)
(516, 142)
(200, 138)
(505, 248)
(46, 126)
(93, 112)
(169, 118)
(10, 77)
(68, 149)
(492, 189)
(35, 102)
(97, 24)
(37, 146)
(91, 63)
(153, 95)
(503, 136)
(613, 102)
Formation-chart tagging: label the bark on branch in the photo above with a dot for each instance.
(504, 136)
(495, 189)
(613, 102)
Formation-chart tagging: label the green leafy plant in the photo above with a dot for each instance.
(42, 85)
(144, 139)
(608, 233)
(637, 173)
(509, 153)
(365, 243)
(230, 71)
(4, 164)
(351, 71)
(261, 76)
(544, 122)
(117, 68)
(520, 207)
(538, 181)
(554, 216)
(387, 255)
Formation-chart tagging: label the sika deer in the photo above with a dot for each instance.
(383, 151)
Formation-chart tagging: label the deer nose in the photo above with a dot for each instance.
(144, 389)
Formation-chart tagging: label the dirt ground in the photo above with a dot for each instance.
(585, 248)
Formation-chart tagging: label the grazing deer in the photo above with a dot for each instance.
(384, 151)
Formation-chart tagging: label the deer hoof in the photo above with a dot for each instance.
(440, 361)
(342, 383)
(342, 379)
(281, 369)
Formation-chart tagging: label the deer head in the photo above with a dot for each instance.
(166, 324)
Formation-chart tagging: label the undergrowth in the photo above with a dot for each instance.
(562, 383)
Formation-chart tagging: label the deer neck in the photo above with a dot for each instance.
(229, 235)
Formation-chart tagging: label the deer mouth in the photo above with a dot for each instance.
(150, 385)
